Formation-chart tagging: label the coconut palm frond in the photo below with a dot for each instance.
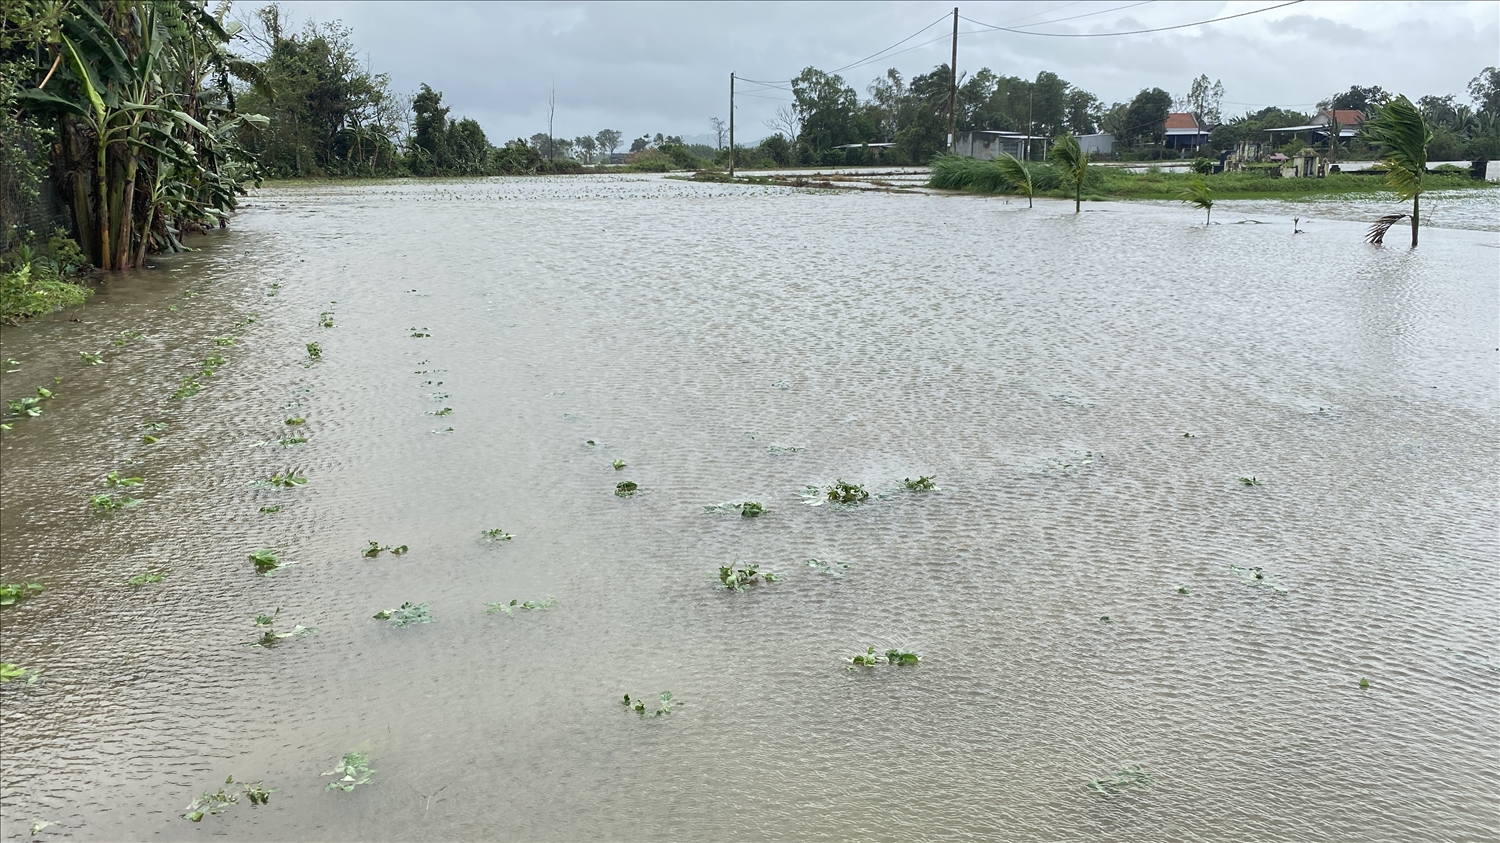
(1200, 196)
(1068, 157)
(1376, 234)
(1018, 174)
(1402, 133)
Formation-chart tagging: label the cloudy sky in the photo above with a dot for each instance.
(664, 67)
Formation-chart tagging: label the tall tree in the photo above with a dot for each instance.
(1084, 111)
(825, 106)
(1484, 89)
(609, 140)
(1205, 100)
(429, 142)
(1403, 136)
(1146, 117)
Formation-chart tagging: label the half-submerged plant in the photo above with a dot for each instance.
(1256, 576)
(292, 440)
(271, 510)
(833, 569)
(10, 672)
(1200, 196)
(923, 483)
(270, 637)
(1128, 777)
(91, 358)
(267, 562)
(736, 579)
(1017, 175)
(294, 421)
(325, 319)
(663, 704)
(143, 579)
(108, 502)
(619, 465)
(841, 492)
(287, 479)
(1072, 164)
(626, 488)
(210, 803)
(746, 509)
(496, 535)
(16, 592)
(1250, 481)
(405, 615)
(352, 770)
(870, 658)
(376, 548)
(114, 479)
(226, 342)
(511, 607)
(314, 352)
(1401, 131)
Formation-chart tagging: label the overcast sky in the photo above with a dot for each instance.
(664, 67)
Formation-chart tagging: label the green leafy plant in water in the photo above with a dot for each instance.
(271, 510)
(832, 569)
(511, 607)
(1364, 683)
(625, 488)
(288, 479)
(16, 592)
(226, 342)
(497, 534)
(446, 411)
(126, 336)
(267, 562)
(92, 358)
(211, 803)
(1128, 777)
(259, 794)
(10, 672)
(325, 319)
(38, 825)
(142, 579)
(870, 658)
(847, 493)
(736, 579)
(746, 509)
(417, 333)
(314, 351)
(376, 548)
(247, 321)
(619, 465)
(923, 483)
(352, 770)
(1182, 589)
(157, 425)
(1256, 576)
(292, 440)
(210, 363)
(30, 406)
(1250, 481)
(188, 388)
(664, 704)
(114, 479)
(108, 502)
(270, 637)
(296, 420)
(406, 614)
(275, 288)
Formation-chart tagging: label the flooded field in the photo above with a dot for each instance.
(1193, 485)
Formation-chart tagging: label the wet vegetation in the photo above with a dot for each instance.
(10, 672)
(738, 579)
(664, 704)
(376, 548)
(497, 534)
(846, 493)
(923, 483)
(832, 569)
(145, 579)
(511, 607)
(269, 637)
(870, 658)
(626, 488)
(267, 561)
(406, 614)
(16, 592)
(352, 770)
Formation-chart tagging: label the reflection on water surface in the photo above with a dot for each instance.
(1080, 586)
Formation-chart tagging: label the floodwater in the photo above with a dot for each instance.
(728, 344)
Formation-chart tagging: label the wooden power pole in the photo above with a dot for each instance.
(731, 125)
(953, 90)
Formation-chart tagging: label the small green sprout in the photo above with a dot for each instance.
(325, 319)
(189, 387)
(296, 420)
(406, 614)
(226, 341)
(619, 465)
(1364, 683)
(114, 479)
(314, 351)
(664, 704)
(108, 502)
(267, 562)
(288, 479)
(353, 770)
(271, 510)
(10, 672)
(923, 483)
(16, 592)
(625, 488)
(1250, 481)
(511, 607)
(736, 579)
(497, 534)
(210, 803)
(91, 358)
(143, 579)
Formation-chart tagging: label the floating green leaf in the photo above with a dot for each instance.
(870, 658)
(625, 488)
(114, 479)
(314, 351)
(10, 672)
(293, 440)
(142, 579)
(108, 502)
(496, 534)
(736, 579)
(189, 387)
(92, 358)
(664, 704)
(846, 493)
(288, 479)
(16, 592)
(210, 803)
(376, 548)
(267, 562)
(1250, 481)
(1364, 683)
(619, 465)
(923, 483)
(325, 319)
(296, 420)
(1256, 576)
(271, 510)
(226, 341)
(833, 569)
(511, 607)
(406, 614)
(353, 770)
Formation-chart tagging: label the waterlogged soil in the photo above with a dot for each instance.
(734, 343)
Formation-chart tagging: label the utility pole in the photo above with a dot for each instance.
(1030, 123)
(953, 89)
(731, 125)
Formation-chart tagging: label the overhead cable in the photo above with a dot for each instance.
(992, 27)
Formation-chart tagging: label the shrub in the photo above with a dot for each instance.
(1203, 166)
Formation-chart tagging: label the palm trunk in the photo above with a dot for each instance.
(1077, 197)
(1416, 219)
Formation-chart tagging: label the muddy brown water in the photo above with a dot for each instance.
(734, 343)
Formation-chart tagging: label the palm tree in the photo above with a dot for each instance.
(1072, 165)
(1402, 133)
(1018, 174)
(1200, 195)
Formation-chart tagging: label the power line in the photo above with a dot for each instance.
(893, 46)
(992, 27)
(1085, 14)
(1043, 12)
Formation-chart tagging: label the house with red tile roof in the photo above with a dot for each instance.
(1347, 120)
(1184, 131)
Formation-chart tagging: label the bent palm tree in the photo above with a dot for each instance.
(1018, 174)
(1200, 195)
(1072, 165)
(1402, 133)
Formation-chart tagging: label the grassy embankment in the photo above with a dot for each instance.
(967, 174)
(37, 281)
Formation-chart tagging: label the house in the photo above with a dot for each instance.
(1347, 120)
(1100, 144)
(988, 145)
(1184, 132)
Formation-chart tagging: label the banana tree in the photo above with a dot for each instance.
(1403, 135)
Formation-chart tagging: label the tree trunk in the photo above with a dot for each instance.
(1416, 219)
(1077, 197)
